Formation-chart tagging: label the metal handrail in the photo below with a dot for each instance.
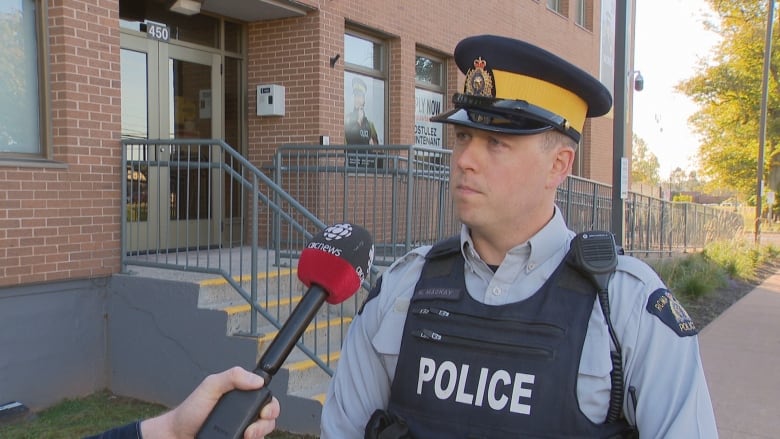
(215, 158)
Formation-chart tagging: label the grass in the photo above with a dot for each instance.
(77, 418)
(696, 275)
(689, 276)
(80, 417)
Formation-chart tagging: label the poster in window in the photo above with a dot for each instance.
(364, 109)
(427, 104)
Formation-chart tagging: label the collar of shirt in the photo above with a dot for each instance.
(524, 269)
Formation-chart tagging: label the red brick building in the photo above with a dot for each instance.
(79, 75)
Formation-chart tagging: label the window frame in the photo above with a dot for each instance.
(380, 74)
(583, 14)
(45, 152)
(560, 7)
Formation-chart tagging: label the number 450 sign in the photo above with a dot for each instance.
(158, 31)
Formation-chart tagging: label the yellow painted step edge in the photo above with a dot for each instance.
(235, 309)
(321, 324)
(305, 364)
(266, 275)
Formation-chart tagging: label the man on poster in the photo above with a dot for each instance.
(358, 129)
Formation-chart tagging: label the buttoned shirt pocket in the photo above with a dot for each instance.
(387, 340)
(593, 382)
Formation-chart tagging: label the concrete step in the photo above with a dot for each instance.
(217, 292)
(323, 336)
(239, 316)
(315, 392)
(307, 379)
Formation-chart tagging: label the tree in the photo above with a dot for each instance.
(644, 164)
(728, 93)
(677, 179)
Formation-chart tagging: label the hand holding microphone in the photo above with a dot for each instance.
(332, 266)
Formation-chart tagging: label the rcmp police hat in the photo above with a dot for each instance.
(358, 86)
(517, 88)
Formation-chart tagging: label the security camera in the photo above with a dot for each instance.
(639, 82)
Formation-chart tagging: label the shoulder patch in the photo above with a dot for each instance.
(665, 306)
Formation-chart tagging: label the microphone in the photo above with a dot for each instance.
(332, 266)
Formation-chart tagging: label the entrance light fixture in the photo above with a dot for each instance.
(186, 7)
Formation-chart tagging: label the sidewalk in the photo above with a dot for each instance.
(741, 355)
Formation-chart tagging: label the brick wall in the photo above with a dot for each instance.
(61, 220)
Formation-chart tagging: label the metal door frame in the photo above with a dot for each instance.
(160, 233)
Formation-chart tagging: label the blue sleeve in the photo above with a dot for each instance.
(129, 431)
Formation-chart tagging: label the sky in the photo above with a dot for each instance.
(669, 40)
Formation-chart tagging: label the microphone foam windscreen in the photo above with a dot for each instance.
(337, 259)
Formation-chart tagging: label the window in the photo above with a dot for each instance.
(583, 11)
(559, 6)
(578, 168)
(364, 90)
(22, 125)
(429, 101)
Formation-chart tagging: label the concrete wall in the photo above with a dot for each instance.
(53, 340)
(138, 337)
(156, 330)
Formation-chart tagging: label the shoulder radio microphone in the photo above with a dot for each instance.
(332, 266)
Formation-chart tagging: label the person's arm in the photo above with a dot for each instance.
(185, 420)
(361, 384)
(663, 364)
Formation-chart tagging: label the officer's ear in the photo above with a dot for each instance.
(562, 162)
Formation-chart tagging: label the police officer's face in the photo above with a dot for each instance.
(506, 183)
(360, 101)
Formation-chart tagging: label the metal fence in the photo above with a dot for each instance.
(199, 206)
(401, 194)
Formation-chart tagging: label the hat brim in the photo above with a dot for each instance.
(504, 116)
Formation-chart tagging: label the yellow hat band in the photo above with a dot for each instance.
(542, 94)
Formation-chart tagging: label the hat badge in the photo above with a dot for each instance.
(479, 81)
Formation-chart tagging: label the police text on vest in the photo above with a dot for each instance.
(447, 381)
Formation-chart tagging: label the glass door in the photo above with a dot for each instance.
(171, 92)
(194, 185)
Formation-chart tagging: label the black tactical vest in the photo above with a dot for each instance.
(475, 371)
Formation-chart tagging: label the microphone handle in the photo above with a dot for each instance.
(292, 330)
(236, 409)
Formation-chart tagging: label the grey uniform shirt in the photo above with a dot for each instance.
(665, 369)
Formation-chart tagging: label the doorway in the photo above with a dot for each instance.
(172, 92)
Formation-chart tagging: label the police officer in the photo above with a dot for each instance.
(493, 334)
(358, 130)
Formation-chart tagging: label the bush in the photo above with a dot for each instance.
(696, 275)
(739, 258)
(691, 275)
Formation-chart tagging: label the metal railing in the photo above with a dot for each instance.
(400, 193)
(199, 206)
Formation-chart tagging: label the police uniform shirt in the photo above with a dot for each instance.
(665, 368)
